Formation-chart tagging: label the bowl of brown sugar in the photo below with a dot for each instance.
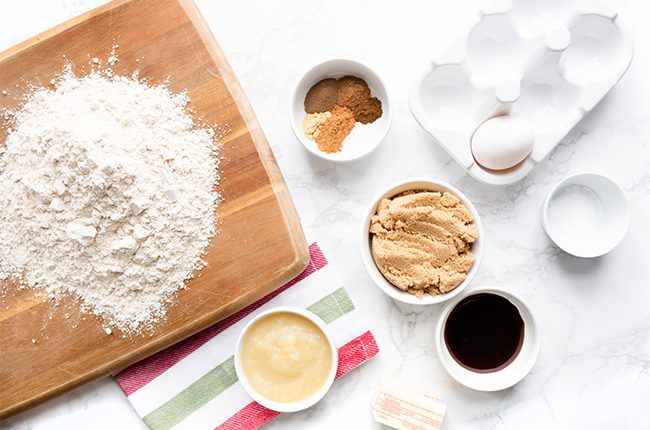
(421, 241)
(340, 110)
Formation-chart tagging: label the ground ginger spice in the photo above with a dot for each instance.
(313, 122)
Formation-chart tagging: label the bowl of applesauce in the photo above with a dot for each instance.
(285, 359)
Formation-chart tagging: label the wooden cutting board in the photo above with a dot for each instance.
(260, 245)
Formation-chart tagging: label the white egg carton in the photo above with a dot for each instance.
(547, 62)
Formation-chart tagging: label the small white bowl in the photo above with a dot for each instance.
(366, 245)
(586, 215)
(513, 372)
(364, 138)
(293, 406)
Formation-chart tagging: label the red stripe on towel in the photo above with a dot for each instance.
(141, 373)
(351, 355)
(356, 352)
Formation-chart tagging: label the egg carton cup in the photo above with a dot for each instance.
(547, 62)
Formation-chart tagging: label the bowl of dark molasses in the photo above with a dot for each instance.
(487, 339)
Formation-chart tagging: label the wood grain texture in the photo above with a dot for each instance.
(260, 245)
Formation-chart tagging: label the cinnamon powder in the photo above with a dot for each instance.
(335, 129)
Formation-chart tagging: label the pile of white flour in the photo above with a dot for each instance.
(107, 192)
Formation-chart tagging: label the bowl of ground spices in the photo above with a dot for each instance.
(340, 110)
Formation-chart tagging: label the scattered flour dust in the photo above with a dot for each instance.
(107, 190)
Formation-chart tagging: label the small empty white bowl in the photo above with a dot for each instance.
(586, 215)
(365, 242)
(513, 372)
(292, 406)
(364, 138)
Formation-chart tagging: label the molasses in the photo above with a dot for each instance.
(484, 332)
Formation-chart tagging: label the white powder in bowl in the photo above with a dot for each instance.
(107, 190)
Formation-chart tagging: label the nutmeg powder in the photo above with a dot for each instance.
(322, 96)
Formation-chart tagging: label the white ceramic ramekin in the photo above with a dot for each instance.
(506, 377)
(613, 223)
(364, 138)
(294, 406)
(366, 246)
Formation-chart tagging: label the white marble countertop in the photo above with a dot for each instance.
(594, 315)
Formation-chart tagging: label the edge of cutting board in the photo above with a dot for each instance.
(264, 150)
(285, 203)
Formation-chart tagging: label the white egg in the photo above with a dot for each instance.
(502, 142)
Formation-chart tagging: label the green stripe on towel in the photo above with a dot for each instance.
(333, 306)
(210, 385)
(193, 397)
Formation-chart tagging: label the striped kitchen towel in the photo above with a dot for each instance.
(193, 384)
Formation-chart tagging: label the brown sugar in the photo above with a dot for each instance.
(422, 241)
(335, 129)
(322, 96)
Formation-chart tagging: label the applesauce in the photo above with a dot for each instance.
(285, 357)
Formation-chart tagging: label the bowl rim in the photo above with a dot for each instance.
(366, 251)
(387, 111)
(292, 406)
(553, 235)
(494, 381)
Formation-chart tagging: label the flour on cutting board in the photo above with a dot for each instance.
(107, 189)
